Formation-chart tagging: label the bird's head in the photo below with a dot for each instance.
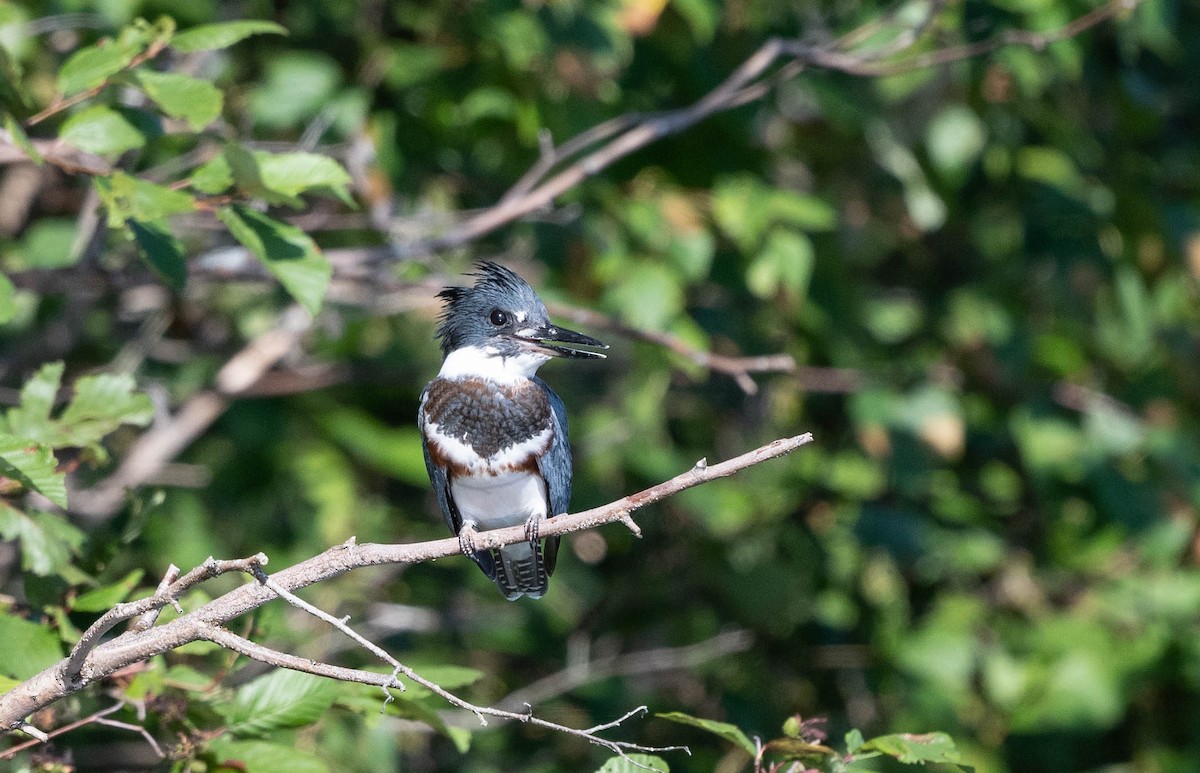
(501, 316)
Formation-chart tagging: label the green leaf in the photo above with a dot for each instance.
(911, 747)
(213, 177)
(209, 37)
(285, 250)
(294, 173)
(280, 699)
(33, 466)
(264, 757)
(634, 763)
(101, 404)
(104, 598)
(100, 129)
(127, 197)
(162, 252)
(187, 678)
(21, 139)
(731, 733)
(91, 66)
(449, 676)
(8, 299)
(26, 648)
(785, 265)
(47, 541)
(32, 417)
(181, 96)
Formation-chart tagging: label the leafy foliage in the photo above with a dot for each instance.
(986, 273)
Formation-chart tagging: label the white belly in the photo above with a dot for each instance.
(493, 502)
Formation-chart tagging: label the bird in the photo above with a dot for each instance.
(494, 434)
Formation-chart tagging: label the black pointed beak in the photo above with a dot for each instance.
(545, 338)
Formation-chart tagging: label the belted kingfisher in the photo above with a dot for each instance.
(495, 435)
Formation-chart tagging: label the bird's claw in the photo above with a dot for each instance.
(466, 541)
(533, 527)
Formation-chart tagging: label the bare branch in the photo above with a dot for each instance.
(93, 659)
(601, 146)
(737, 367)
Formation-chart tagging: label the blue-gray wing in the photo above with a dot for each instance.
(441, 488)
(555, 466)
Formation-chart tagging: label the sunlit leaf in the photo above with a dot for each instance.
(209, 37)
(181, 96)
(286, 251)
(213, 176)
(129, 197)
(731, 733)
(91, 66)
(104, 598)
(910, 747)
(100, 129)
(277, 700)
(46, 540)
(634, 763)
(294, 173)
(33, 466)
(102, 403)
(26, 647)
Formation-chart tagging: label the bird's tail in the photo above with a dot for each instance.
(522, 571)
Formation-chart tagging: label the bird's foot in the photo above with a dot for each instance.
(466, 541)
(533, 528)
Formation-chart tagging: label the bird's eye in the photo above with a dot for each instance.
(498, 318)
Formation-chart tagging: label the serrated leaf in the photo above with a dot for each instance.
(100, 129)
(47, 541)
(93, 65)
(33, 466)
(104, 598)
(280, 699)
(285, 250)
(181, 96)
(21, 139)
(912, 747)
(162, 252)
(294, 173)
(127, 198)
(26, 647)
(731, 733)
(264, 757)
(8, 299)
(209, 37)
(32, 417)
(634, 763)
(102, 403)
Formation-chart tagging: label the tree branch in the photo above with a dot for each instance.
(93, 660)
(601, 146)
